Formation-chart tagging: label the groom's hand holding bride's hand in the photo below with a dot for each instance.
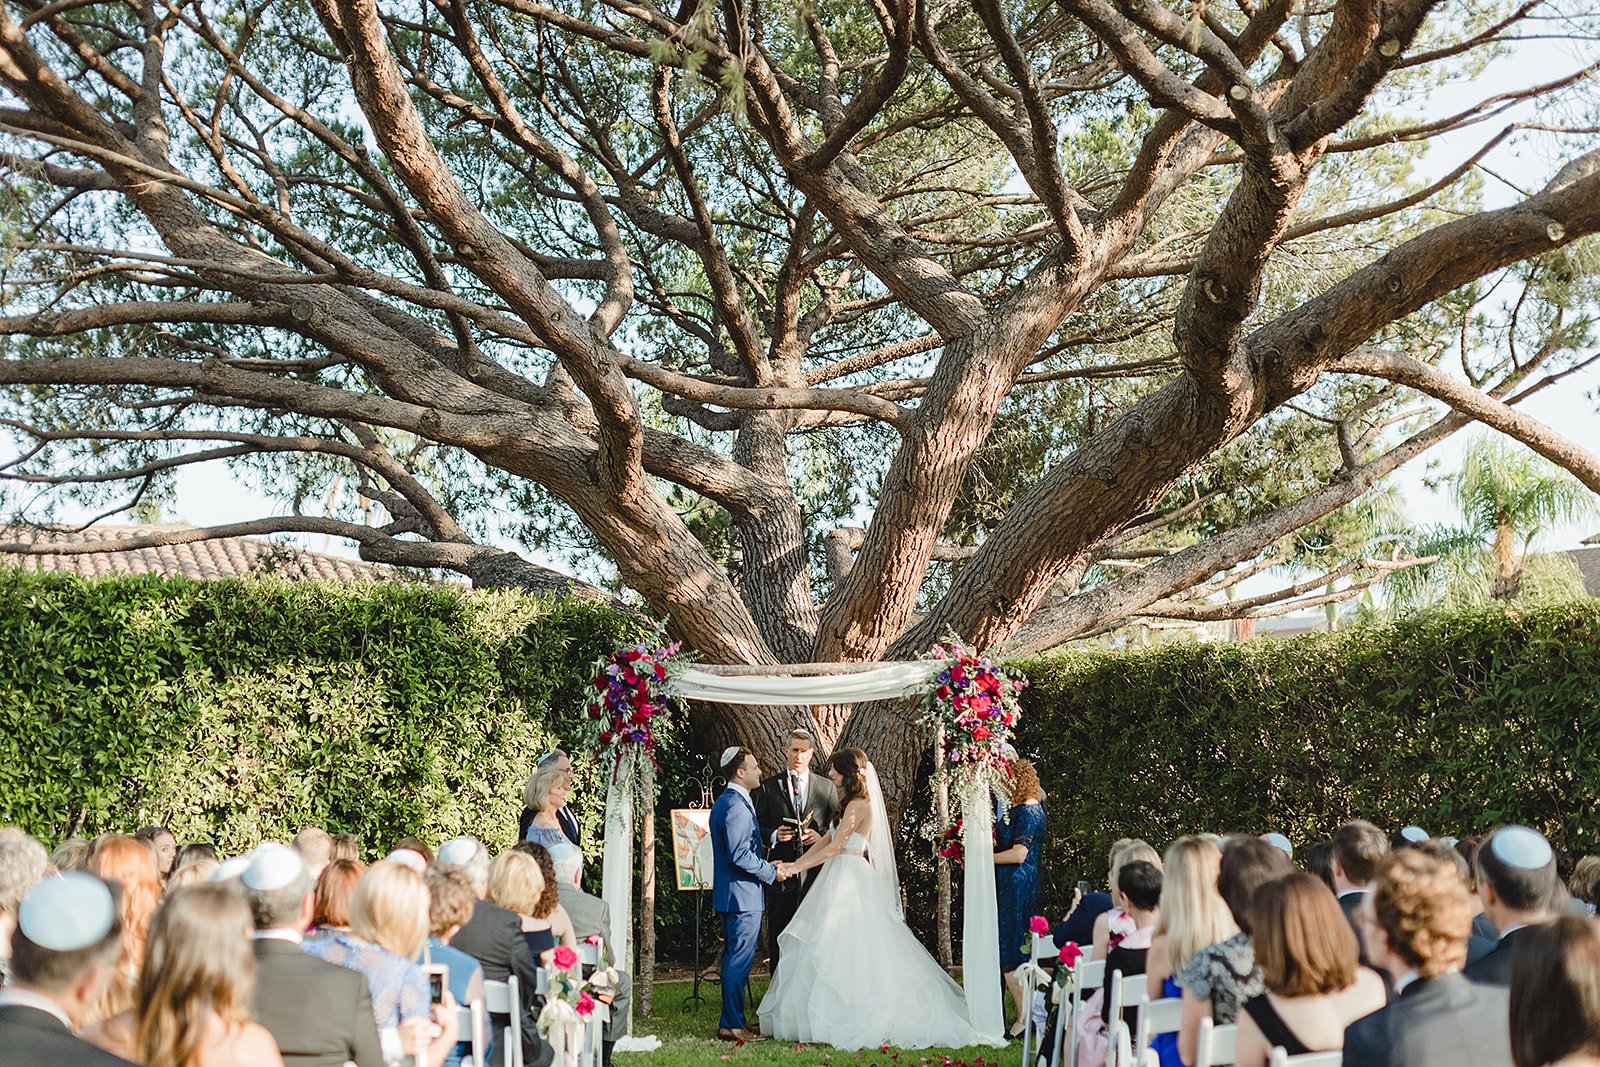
(784, 871)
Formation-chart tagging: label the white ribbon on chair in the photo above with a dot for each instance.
(563, 1027)
(980, 925)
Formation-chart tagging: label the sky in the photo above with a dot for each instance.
(210, 494)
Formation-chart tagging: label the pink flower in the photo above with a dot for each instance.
(585, 1004)
(980, 733)
(1070, 953)
(1039, 925)
(592, 939)
(565, 958)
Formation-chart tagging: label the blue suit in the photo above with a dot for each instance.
(739, 874)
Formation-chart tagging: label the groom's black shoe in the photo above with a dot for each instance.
(746, 1036)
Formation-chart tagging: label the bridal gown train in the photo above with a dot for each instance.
(851, 973)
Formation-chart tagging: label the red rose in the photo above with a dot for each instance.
(629, 677)
(565, 958)
(943, 692)
(594, 711)
(631, 656)
(1039, 925)
(585, 1004)
(605, 737)
(980, 733)
(958, 674)
(1070, 953)
(639, 718)
(979, 704)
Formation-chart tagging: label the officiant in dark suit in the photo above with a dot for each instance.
(794, 808)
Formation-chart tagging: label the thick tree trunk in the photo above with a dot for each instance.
(647, 916)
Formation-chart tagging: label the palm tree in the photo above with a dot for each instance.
(1510, 496)
(1507, 496)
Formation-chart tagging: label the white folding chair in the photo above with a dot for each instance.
(1086, 976)
(1280, 1057)
(505, 998)
(1216, 1046)
(1127, 991)
(472, 1026)
(1042, 948)
(1119, 1049)
(1164, 1016)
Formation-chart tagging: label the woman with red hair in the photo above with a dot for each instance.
(131, 864)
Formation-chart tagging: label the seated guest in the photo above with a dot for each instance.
(450, 900)
(1219, 978)
(1517, 882)
(320, 1015)
(163, 844)
(1319, 861)
(330, 901)
(516, 884)
(1477, 947)
(71, 855)
(1139, 890)
(1416, 921)
(493, 937)
(1077, 926)
(1315, 987)
(194, 991)
(388, 926)
(314, 846)
(591, 917)
(64, 952)
(131, 864)
(1193, 917)
(1555, 995)
(413, 844)
(1358, 848)
(1467, 849)
(194, 866)
(344, 847)
(1116, 923)
(1584, 885)
(548, 914)
(22, 865)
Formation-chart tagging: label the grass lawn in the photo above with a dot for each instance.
(689, 1039)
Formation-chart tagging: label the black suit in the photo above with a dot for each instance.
(1494, 968)
(1350, 904)
(1435, 1022)
(33, 1038)
(320, 1014)
(773, 805)
(493, 937)
(564, 816)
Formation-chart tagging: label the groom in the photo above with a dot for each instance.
(738, 874)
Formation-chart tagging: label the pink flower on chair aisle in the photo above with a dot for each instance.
(1039, 925)
(565, 958)
(585, 1005)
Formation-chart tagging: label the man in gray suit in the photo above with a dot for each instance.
(1416, 921)
(590, 915)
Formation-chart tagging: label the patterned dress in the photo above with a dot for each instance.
(1017, 884)
(1226, 974)
(399, 988)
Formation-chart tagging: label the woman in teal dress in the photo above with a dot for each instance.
(1019, 837)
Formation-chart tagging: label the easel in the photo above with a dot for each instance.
(708, 781)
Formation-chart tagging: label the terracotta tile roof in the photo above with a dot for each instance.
(228, 557)
(1588, 561)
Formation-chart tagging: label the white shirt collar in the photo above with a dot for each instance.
(1513, 928)
(1403, 979)
(281, 933)
(741, 790)
(12, 997)
(1355, 889)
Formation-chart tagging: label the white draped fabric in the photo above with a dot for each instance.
(877, 683)
(980, 921)
(616, 868)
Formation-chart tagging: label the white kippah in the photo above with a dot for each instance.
(68, 912)
(1415, 834)
(1279, 842)
(408, 857)
(230, 869)
(272, 866)
(728, 754)
(1521, 847)
(458, 851)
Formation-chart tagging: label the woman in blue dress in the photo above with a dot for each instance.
(1019, 837)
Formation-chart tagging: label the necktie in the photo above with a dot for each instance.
(797, 784)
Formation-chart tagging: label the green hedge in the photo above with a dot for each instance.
(1456, 723)
(237, 710)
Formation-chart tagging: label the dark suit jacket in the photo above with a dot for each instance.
(1494, 968)
(1350, 903)
(33, 1038)
(564, 816)
(493, 937)
(773, 806)
(1436, 1022)
(319, 1014)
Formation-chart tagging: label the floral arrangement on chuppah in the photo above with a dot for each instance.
(632, 698)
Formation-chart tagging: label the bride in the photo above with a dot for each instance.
(851, 973)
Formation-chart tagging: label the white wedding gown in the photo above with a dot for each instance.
(851, 973)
